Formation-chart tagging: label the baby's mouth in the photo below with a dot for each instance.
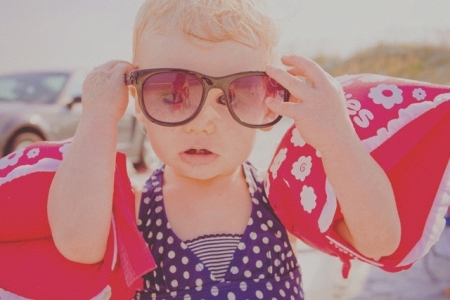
(198, 157)
(198, 151)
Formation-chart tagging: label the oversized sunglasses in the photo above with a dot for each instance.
(173, 97)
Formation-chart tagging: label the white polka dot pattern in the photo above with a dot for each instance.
(261, 267)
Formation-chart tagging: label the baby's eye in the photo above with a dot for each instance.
(173, 98)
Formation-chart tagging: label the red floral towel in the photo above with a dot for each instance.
(406, 127)
(31, 266)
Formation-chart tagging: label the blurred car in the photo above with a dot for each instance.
(46, 106)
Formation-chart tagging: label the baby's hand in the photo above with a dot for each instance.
(318, 108)
(105, 95)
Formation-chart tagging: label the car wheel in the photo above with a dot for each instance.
(22, 140)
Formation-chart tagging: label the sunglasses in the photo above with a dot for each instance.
(173, 97)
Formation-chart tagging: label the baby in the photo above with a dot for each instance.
(204, 81)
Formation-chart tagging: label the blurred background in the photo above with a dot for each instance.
(48, 34)
(403, 38)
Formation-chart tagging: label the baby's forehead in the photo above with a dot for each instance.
(174, 49)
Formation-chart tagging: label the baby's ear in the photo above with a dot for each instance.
(137, 109)
(132, 90)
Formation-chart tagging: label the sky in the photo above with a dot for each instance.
(71, 34)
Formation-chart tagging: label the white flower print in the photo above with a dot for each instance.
(33, 153)
(297, 139)
(419, 94)
(302, 167)
(308, 198)
(63, 149)
(11, 159)
(386, 94)
(277, 161)
(105, 294)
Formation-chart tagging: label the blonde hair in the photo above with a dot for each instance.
(210, 20)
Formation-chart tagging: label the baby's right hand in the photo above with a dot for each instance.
(105, 95)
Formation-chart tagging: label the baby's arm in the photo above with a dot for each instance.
(80, 198)
(371, 222)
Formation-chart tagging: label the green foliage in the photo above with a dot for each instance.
(428, 63)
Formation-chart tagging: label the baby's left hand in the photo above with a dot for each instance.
(318, 108)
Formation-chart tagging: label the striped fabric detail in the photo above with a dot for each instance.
(215, 251)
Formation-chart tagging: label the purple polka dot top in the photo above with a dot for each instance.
(263, 266)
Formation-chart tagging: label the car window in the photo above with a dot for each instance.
(7, 88)
(54, 83)
(75, 85)
(32, 87)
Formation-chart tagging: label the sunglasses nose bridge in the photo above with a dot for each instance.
(212, 84)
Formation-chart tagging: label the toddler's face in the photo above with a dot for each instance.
(213, 144)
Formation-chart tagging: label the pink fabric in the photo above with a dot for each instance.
(32, 267)
(405, 125)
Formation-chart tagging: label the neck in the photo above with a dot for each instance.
(176, 181)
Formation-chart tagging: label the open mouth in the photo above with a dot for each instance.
(198, 151)
(198, 156)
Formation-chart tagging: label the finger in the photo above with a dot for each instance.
(296, 86)
(286, 109)
(300, 73)
(121, 69)
(113, 71)
(124, 66)
(108, 76)
(106, 72)
(305, 67)
(294, 72)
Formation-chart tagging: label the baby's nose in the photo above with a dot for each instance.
(209, 116)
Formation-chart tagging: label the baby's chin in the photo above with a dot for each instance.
(205, 173)
(198, 157)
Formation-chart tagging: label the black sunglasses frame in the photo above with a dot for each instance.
(138, 77)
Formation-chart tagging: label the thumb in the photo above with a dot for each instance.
(285, 109)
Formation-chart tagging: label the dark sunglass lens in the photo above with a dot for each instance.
(248, 95)
(171, 97)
